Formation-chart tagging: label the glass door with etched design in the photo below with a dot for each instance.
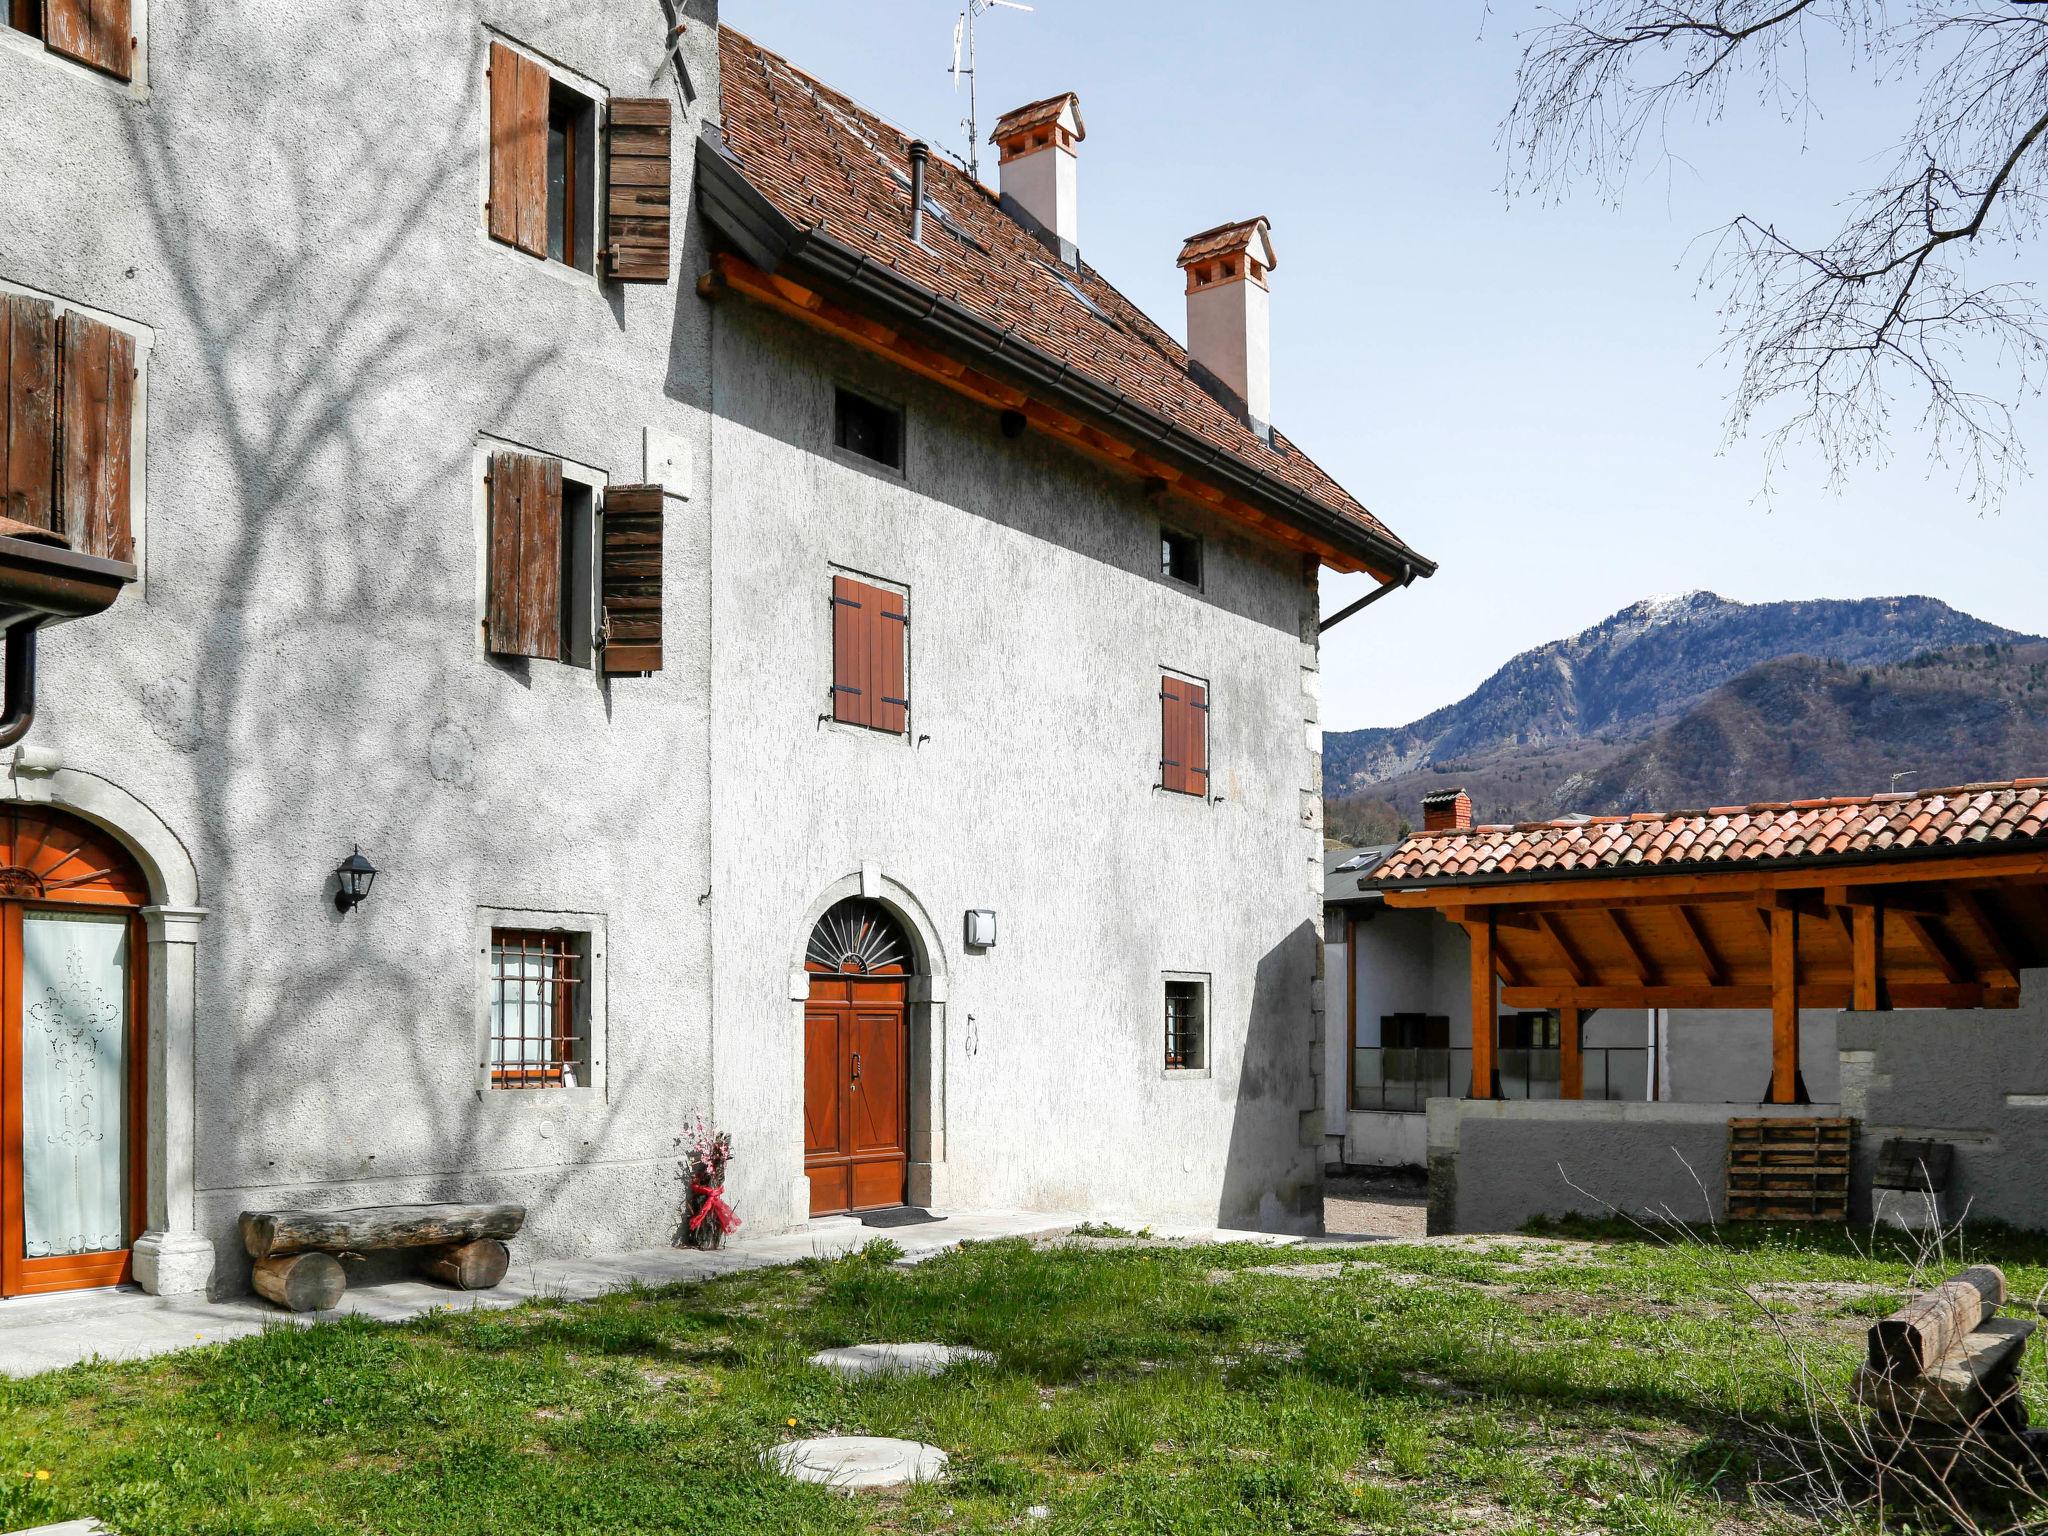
(71, 1104)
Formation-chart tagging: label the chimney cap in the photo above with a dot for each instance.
(1228, 239)
(1447, 810)
(1063, 110)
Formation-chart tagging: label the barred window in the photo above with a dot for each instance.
(1187, 1025)
(540, 1035)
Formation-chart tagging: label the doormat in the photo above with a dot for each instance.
(899, 1216)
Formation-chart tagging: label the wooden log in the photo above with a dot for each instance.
(473, 1266)
(268, 1234)
(301, 1282)
(1976, 1387)
(1921, 1334)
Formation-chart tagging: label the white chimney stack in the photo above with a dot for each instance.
(1039, 185)
(1229, 313)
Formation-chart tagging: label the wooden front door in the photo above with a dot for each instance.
(72, 1054)
(856, 1055)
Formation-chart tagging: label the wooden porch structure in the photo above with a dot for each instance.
(1928, 927)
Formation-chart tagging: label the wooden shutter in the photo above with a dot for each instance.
(637, 212)
(98, 33)
(518, 207)
(524, 614)
(96, 377)
(1183, 736)
(630, 583)
(870, 644)
(28, 412)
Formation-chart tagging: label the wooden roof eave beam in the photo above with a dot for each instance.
(1756, 996)
(1735, 884)
(736, 274)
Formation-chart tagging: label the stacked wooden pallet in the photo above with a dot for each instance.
(1789, 1170)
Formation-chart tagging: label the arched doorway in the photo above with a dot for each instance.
(72, 1053)
(856, 1060)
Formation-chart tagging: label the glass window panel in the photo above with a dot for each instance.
(74, 1082)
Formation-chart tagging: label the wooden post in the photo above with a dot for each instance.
(1787, 1086)
(1866, 946)
(1571, 1061)
(1485, 1010)
(300, 1282)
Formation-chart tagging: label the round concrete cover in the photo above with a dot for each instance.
(896, 1359)
(858, 1461)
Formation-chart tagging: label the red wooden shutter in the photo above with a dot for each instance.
(28, 412)
(524, 615)
(870, 643)
(1183, 736)
(519, 150)
(630, 585)
(96, 380)
(637, 212)
(94, 32)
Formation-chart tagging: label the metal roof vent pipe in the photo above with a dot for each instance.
(920, 157)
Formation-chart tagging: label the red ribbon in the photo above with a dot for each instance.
(714, 1205)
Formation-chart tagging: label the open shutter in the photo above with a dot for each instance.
(524, 614)
(637, 211)
(28, 412)
(1172, 747)
(518, 207)
(631, 581)
(851, 692)
(96, 374)
(1196, 711)
(98, 33)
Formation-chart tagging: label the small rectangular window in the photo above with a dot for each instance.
(540, 1034)
(872, 430)
(1183, 735)
(572, 176)
(1415, 1032)
(1530, 1032)
(1187, 1025)
(1180, 557)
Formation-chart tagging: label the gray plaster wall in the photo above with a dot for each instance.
(1496, 1166)
(1724, 1055)
(1975, 1078)
(1039, 627)
(293, 207)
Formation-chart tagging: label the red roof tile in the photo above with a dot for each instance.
(828, 164)
(1974, 818)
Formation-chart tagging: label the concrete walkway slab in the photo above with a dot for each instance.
(47, 1333)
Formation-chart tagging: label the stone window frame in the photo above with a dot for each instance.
(1203, 982)
(600, 97)
(135, 87)
(590, 928)
(584, 655)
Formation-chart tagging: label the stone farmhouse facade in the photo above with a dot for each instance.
(794, 642)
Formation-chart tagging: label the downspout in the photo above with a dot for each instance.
(920, 153)
(19, 710)
(1407, 576)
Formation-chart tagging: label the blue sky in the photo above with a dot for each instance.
(1527, 393)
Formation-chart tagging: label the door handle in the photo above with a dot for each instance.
(856, 1066)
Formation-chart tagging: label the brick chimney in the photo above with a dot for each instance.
(1039, 184)
(1229, 330)
(1447, 810)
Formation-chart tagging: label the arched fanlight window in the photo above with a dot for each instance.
(858, 937)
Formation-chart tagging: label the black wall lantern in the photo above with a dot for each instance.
(356, 875)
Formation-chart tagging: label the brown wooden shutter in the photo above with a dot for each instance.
(524, 614)
(28, 412)
(630, 584)
(637, 214)
(96, 378)
(519, 150)
(1183, 736)
(851, 692)
(889, 640)
(870, 646)
(98, 33)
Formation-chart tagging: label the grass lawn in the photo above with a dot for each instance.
(1610, 1385)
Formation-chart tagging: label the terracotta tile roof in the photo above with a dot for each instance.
(827, 164)
(1036, 114)
(1986, 818)
(1226, 238)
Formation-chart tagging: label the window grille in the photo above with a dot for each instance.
(1186, 1047)
(537, 1010)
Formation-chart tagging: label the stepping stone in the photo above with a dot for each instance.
(68, 1528)
(850, 1462)
(858, 1360)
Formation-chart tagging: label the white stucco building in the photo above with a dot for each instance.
(790, 651)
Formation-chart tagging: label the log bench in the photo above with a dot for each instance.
(298, 1253)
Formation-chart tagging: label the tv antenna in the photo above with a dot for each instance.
(963, 37)
(1908, 773)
